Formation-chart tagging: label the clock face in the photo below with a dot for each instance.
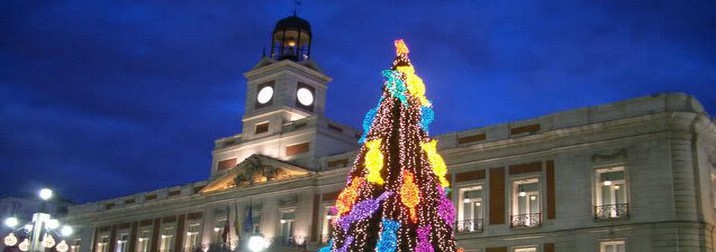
(264, 95)
(305, 96)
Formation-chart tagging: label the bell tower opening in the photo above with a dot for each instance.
(291, 39)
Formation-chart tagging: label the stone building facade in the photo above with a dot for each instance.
(635, 175)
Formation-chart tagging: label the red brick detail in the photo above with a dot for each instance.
(497, 196)
(297, 149)
(551, 191)
(226, 164)
(469, 176)
(472, 138)
(525, 168)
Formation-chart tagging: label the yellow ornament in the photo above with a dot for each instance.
(436, 161)
(374, 161)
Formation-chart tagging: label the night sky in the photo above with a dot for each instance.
(104, 99)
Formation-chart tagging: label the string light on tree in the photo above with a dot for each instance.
(396, 195)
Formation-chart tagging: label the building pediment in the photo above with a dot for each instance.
(256, 169)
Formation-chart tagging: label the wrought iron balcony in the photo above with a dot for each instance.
(289, 241)
(464, 226)
(613, 211)
(526, 220)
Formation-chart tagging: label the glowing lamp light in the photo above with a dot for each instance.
(607, 182)
(616, 187)
(478, 204)
(53, 224)
(522, 193)
(45, 194)
(532, 197)
(216, 229)
(62, 246)
(291, 43)
(10, 240)
(24, 245)
(48, 242)
(257, 243)
(11, 222)
(466, 200)
(66, 231)
(283, 221)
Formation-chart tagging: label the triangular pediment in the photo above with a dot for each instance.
(256, 169)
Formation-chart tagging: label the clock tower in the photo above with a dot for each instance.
(284, 108)
(286, 85)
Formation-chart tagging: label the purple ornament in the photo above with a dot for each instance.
(362, 210)
(424, 240)
(348, 242)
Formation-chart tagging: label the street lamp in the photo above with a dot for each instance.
(37, 234)
(257, 243)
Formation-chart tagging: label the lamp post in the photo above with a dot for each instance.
(37, 233)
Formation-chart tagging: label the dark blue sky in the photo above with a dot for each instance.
(103, 99)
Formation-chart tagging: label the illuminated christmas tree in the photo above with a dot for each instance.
(395, 198)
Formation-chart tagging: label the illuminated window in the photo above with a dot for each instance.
(526, 211)
(219, 229)
(611, 193)
(192, 236)
(122, 242)
(327, 227)
(287, 225)
(102, 245)
(470, 210)
(143, 241)
(167, 240)
(612, 246)
(531, 249)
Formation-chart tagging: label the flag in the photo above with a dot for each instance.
(225, 234)
(249, 223)
(237, 225)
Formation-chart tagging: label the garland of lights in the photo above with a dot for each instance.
(396, 195)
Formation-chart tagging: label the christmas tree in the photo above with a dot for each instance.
(395, 198)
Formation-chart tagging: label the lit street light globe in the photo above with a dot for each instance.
(66, 231)
(257, 243)
(45, 194)
(11, 222)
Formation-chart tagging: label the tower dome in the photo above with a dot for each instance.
(291, 39)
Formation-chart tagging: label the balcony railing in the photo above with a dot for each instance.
(613, 211)
(290, 241)
(525, 220)
(464, 226)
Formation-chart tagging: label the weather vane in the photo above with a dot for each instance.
(296, 3)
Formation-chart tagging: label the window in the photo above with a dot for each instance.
(192, 236)
(327, 224)
(287, 226)
(219, 229)
(531, 249)
(167, 240)
(611, 197)
(297, 149)
(143, 241)
(261, 128)
(713, 188)
(122, 242)
(612, 246)
(526, 203)
(470, 210)
(102, 245)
